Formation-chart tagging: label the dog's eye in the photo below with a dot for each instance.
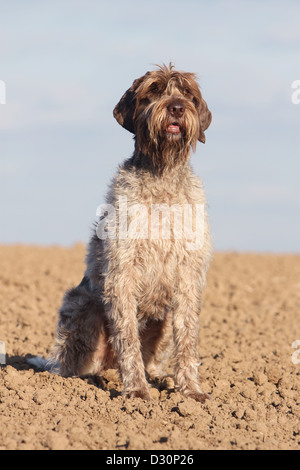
(155, 88)
(187, 91)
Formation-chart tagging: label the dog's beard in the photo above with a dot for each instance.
(166, 149)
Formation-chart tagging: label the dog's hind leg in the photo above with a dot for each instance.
(82, 346)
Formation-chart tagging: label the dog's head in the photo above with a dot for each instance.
(164, 108)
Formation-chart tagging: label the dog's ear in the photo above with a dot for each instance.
(125, 110)
(205, 118)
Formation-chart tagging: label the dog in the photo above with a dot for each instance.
(140, 298)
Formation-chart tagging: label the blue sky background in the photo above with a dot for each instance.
(66, 63)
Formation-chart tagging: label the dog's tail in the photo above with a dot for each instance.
(41, 363)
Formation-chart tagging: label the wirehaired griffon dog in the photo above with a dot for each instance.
(140, 298)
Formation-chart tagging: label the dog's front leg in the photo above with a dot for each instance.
(126, 343)
(186, 336)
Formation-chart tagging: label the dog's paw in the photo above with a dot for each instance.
(197, 396)
(142, 393)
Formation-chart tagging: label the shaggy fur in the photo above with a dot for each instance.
(140, 299)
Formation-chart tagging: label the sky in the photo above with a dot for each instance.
(65, 65)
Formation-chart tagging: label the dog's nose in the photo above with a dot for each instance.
(176, 109)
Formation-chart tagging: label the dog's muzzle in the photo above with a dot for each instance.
(176, 110)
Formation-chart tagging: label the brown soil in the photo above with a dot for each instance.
(249, 321)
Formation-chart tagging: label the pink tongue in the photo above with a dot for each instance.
(173, 129)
